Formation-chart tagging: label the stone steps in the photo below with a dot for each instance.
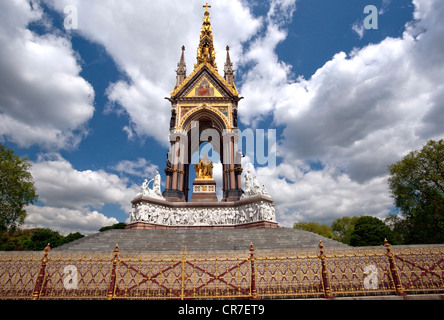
(204, 240)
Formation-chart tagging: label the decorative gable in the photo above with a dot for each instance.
(204, 81)
(204, 88)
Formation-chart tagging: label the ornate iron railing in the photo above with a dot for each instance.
(304, 274)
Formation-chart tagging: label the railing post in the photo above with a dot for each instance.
(254, 295)
(113, 280)
(394, 270)
(325, 282)
(41, 277)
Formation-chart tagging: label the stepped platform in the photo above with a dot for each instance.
(200, 240)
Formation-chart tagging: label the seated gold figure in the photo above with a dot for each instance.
(204, 168)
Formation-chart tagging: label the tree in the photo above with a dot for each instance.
(72, 236)
(120, 225)
(342, 228)
(370, 231)
(400, 227)
(14, 240)
(41, 237)
(16, 189)
(34, 239)
(321, 229)
(417, 185)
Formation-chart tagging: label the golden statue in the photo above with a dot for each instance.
(204, 168)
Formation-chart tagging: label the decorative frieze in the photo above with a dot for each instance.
(260, 209)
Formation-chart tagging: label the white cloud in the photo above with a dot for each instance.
(358, 27)
(355, 104)
(66, 220)
(141, 167)
(41, 102)
(72, 198)
(264, 81)
(384, 6)
(322, 195)
(364, 110)
(62, 186)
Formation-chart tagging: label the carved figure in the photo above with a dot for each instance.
(252, 186)
(155, 192)
(173, 119)
(144, 188)
(156, 185)
(204, 168)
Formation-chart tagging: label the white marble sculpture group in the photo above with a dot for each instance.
(252, 186)
(159, 214)
(166, 214)
(155, 192)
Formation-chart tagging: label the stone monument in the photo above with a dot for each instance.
(203, 109)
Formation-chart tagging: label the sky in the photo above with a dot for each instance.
(83, 86)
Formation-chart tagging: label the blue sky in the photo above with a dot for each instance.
(87, 106)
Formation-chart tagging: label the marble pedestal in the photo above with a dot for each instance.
(204, 190)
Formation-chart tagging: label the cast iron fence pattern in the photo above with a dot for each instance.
(246, 275)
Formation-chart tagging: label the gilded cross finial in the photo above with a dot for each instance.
(206, 6)
(205, 51)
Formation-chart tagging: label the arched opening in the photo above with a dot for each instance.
(206, 148)
(202, 131)
(204, 125)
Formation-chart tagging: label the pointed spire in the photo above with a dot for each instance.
(228, 69)
(205, 51)
(181, 69)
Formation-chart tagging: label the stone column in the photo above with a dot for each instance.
(232, 182)
(175, 188)
(175, 163)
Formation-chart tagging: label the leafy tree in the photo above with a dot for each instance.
(342, 228)
(16, 189)
(10, 241)
(15, 240)
(34, 239)
(370, 231)
(417, 186)
(72, 236)
(120, 225)
(321, 229)
(399, 226)
(41, 237)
